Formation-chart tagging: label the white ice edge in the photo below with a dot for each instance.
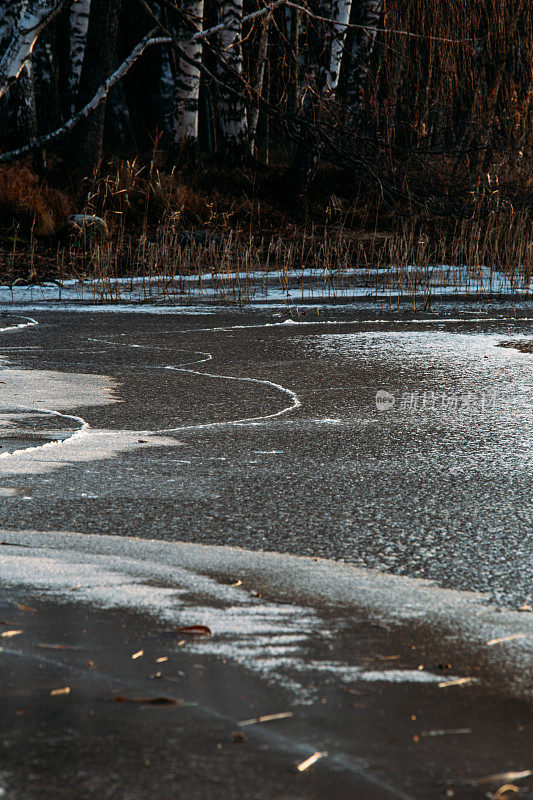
(308, 284)
(280, 309)
(481, 273)
(29, 322)
(87, 444)
(84, 426)
(267, 636)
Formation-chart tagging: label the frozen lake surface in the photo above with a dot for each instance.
(148, 460)
(263, 432)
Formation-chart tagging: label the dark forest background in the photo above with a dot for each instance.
(319, 107)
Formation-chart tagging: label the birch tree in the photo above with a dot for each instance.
(233, 121)
(97, 66)
(187, 78)
(21, 106)
(338, 11)
(25, 23)
(258, 81)
(79, 23)
(320, 81)
(49, 77)
(150, 40)
(360, 53)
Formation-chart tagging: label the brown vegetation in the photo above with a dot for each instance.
(29, 205)
(169, 225)
(413, 148)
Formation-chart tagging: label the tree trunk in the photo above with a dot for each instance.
(324, 57)
(293, 24)
(79, 23)
(97, 66)
(262, 58)
(23, 111)
(142, 84)
(187, 83)
(21, 106)
(232, 109)
(339, 11)
(360, 53)
(25, 21)
(46, 79)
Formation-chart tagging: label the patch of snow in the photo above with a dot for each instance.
(292, 286)
(348, 674)
(41, 389)
(67, 390)
(405, 676)
(10, 491)
(245, 629)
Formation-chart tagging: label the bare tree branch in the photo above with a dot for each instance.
(352, 25)
(149, 41)
(268, 9)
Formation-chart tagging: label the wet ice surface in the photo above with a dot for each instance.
(87, 741)
(421, 491)
(290, 637)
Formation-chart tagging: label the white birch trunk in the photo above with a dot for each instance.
(10, 16)
(150, 40)
(22, 111)
(339, 12)
(361, 51)
(33, 17)
(233, 122)
(9, 24)
(79, 22)
(187, 82)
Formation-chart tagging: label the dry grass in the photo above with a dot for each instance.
(137, 196)
(251, 244)
(330, 263)
(28, 204)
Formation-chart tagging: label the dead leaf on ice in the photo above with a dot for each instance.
(505, 639)
(195, 630)
(445, 731)
(63, 690)
(456, 682)
(10, 634)
(266, 718)
(154, 701)
(311, 760)
(497, 777)
(504, 790)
